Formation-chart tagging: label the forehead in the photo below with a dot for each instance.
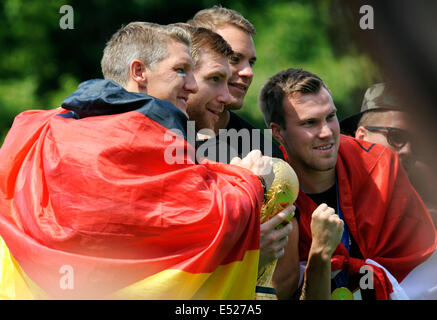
(210, 62)
(177, 52)
(305, 106)
(240, 41)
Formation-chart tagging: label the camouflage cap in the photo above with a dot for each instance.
(379, 96)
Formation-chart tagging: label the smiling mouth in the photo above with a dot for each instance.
(240, 87)
(325, 147)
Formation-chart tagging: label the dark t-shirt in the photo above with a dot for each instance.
(330, 198)
(237, 140)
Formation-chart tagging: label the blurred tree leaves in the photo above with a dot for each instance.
(40, 63)
(308, 35)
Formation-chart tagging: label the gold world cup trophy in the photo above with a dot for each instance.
(282, 193)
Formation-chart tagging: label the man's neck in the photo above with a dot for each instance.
(316, 181)
(223, 121)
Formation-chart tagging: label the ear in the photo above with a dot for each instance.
(276, 132)
(361, 133)
(138, 74)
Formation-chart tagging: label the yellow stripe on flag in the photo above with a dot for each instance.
(12, 284)
(234, 281)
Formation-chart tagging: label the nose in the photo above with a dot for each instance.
(224, 96)
(190, 83)
(325, 130)
(246, 71)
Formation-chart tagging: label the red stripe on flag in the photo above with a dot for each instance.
(97, 194)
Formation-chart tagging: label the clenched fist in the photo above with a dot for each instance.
(326, 229)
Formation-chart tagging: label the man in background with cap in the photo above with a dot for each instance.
(384, 120)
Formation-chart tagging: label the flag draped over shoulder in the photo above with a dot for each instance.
(383, 213)
(102, 199)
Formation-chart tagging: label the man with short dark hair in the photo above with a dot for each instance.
(387, 228)
(238, 32)
(231, 136)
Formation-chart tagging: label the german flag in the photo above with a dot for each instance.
(383, 214)
(103, 199)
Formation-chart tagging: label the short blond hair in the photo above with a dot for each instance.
(217, 16)
(144, 41)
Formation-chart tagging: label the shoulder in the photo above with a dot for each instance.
(360, 150)
(361, 160)
(237, 122)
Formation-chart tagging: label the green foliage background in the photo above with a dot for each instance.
(40, 63)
